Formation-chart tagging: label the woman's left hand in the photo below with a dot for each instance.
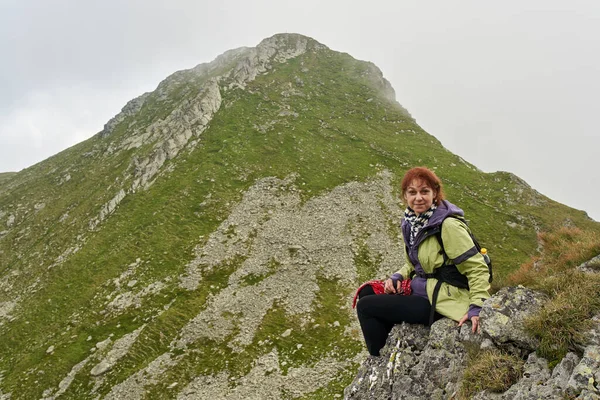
(474, 321)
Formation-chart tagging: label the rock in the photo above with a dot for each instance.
(50, 350)
(592, 336)
(588, 395)
(287, 333)
(100, 368)
(535, 373)
(562, 372)
(586, 374)
(130, 109)
(118, 351)
(503, 314)
(376, 376)
(103, 344)
(591, 266)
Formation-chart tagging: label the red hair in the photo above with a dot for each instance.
(425, 175)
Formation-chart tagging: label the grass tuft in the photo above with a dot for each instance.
(566, 317)
(490, 370)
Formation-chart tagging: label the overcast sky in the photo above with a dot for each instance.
(507, 85)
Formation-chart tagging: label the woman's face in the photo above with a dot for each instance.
(419, 196)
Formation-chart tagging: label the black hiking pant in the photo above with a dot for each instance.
(377, 315)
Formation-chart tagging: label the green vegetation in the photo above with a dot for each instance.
(253, 279)
(5, 176)
(366, 265)
(490, 370)
(574, 296)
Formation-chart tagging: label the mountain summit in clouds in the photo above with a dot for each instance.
(206, 243)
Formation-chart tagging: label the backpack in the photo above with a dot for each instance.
(483, 251)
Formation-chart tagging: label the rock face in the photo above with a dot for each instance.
(590, 266)
(503, 317)
(422, 363)
(131, 108)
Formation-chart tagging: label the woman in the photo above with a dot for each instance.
(427, 213)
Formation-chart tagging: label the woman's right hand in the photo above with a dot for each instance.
(388, 287)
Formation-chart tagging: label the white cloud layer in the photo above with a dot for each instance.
(507, 85)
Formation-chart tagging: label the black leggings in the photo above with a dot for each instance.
(377, 315)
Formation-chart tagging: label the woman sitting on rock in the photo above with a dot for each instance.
(426, 216)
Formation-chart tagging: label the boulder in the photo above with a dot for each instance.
(503, 315)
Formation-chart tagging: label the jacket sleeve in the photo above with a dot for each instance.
(461, 250)
(407, 268)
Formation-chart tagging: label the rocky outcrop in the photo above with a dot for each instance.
(174, 133)
(591, 266)
(276, 49)
(502, 319)
(130, 109)
(190, 118)
(119, 350)
(422, 363)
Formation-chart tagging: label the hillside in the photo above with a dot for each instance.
(208, 240)
(5, 176)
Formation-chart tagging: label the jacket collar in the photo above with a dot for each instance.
(443, 211)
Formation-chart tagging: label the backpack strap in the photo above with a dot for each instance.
(475, 242)
(436, 291)
(438, 236)
(448, 273)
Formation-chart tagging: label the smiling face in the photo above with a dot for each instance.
(419, 196)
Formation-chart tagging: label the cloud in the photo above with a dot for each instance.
(47, 122)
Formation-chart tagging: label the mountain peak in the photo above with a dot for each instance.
(291, 41)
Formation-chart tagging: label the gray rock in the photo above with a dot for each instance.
(531, 385)
(376, 375)
(118, 351)
(562, 372)
(503, 314)
(130, 109)
(586, 374)
(591, 266)
(592, 336)
(287, 333)
(588, 395)
(405, 368)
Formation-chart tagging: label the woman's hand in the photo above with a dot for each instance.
(388, 287)
(474, 321)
